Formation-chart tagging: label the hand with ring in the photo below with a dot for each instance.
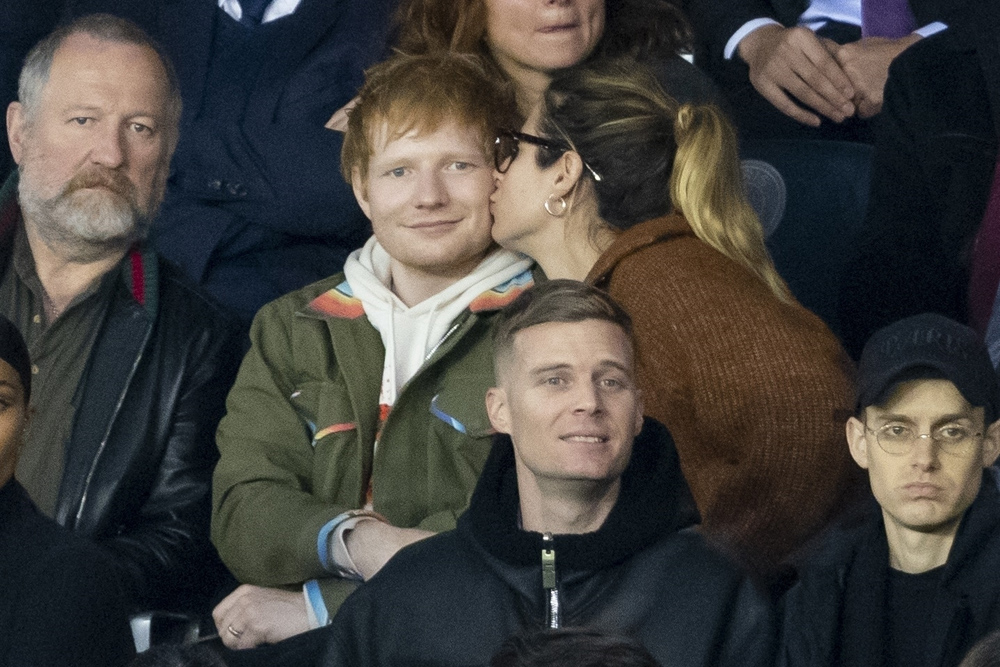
(252, 615)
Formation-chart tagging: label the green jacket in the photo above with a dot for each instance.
(296, 442)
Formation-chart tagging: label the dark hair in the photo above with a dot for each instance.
(423, 92)
(654, 155)
(572, 647)
(555, 301)
(103, 27)
(645, 29)
(14, 351)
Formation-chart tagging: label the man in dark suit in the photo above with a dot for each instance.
(255, 206)
(790, 66)
(934, 162)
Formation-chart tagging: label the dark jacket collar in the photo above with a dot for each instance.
(654, 501)
(864, 626)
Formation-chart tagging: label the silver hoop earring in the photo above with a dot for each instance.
(559, 203)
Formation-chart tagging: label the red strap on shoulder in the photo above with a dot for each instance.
(138, 277)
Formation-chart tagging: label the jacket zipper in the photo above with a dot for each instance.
(443, 339)
(552, 610)
(111, 422)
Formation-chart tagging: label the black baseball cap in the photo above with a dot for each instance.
(929, 341)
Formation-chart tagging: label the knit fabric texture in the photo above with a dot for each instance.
(755, 391)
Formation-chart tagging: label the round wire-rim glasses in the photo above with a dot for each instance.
(899, 439)
(507, 146)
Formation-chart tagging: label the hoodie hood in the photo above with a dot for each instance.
(654, 501)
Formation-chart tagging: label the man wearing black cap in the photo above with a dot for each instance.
(916, 583)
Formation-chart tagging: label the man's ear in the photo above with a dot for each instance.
(857, 441)
(991, 444)
(496, 408)
(569, 169)
(15, 130)
(360, 187)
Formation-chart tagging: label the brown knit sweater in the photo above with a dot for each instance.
(755, 391)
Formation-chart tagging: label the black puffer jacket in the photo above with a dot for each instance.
(138, 469)
(454, 598)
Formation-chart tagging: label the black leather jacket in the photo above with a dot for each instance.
(138, 468)
(453, 599)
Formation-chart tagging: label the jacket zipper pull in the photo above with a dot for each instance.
(552, 619)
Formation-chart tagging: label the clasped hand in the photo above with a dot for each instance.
(833, 80)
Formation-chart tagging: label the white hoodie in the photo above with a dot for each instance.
(411, 334)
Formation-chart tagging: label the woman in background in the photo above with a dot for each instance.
(531, 39)
(612, 182)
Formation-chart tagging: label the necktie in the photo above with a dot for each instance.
(984, 275)
(253, 10)
(886, 18)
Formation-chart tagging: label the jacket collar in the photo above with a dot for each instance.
(654, 502)
(139, 270)
(863, 632)
(634, 239)
(340, 302)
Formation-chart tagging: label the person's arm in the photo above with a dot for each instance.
(267, 517)
(931, 168)
(163, 545)
(260, 615)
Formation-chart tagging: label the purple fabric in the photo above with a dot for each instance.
(886, 18)
(985, 272)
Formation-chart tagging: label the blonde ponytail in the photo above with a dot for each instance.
(706, 185)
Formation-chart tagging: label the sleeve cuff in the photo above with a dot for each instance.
(315, 607)
(744, 30)
(931, 29)
(331, 548)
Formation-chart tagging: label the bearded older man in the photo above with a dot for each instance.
(131, 365)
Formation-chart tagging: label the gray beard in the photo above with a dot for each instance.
(84, 225)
